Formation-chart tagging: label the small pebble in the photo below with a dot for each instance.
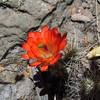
(80, 17)
(85, 5)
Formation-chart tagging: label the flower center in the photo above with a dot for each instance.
(43, 46)
(44, 51)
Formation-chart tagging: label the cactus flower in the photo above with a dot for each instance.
(44, 47)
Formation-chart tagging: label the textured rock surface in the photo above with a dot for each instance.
(20, 90)
(98, 19)
(17, 17)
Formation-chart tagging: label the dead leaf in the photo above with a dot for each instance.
(94, 53)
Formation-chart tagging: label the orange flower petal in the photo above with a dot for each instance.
(34, 47)
(44, 29)
(31, 34)
(26, 46)
(25, 56)
(35, 64)
(32, 43)
(36, 51)
(55, 30)
(46, 35)
(55, 59)
(63, 42)
(56, 39)
(34, 37)
(30, 54)
(44, 68)
(44, 32)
